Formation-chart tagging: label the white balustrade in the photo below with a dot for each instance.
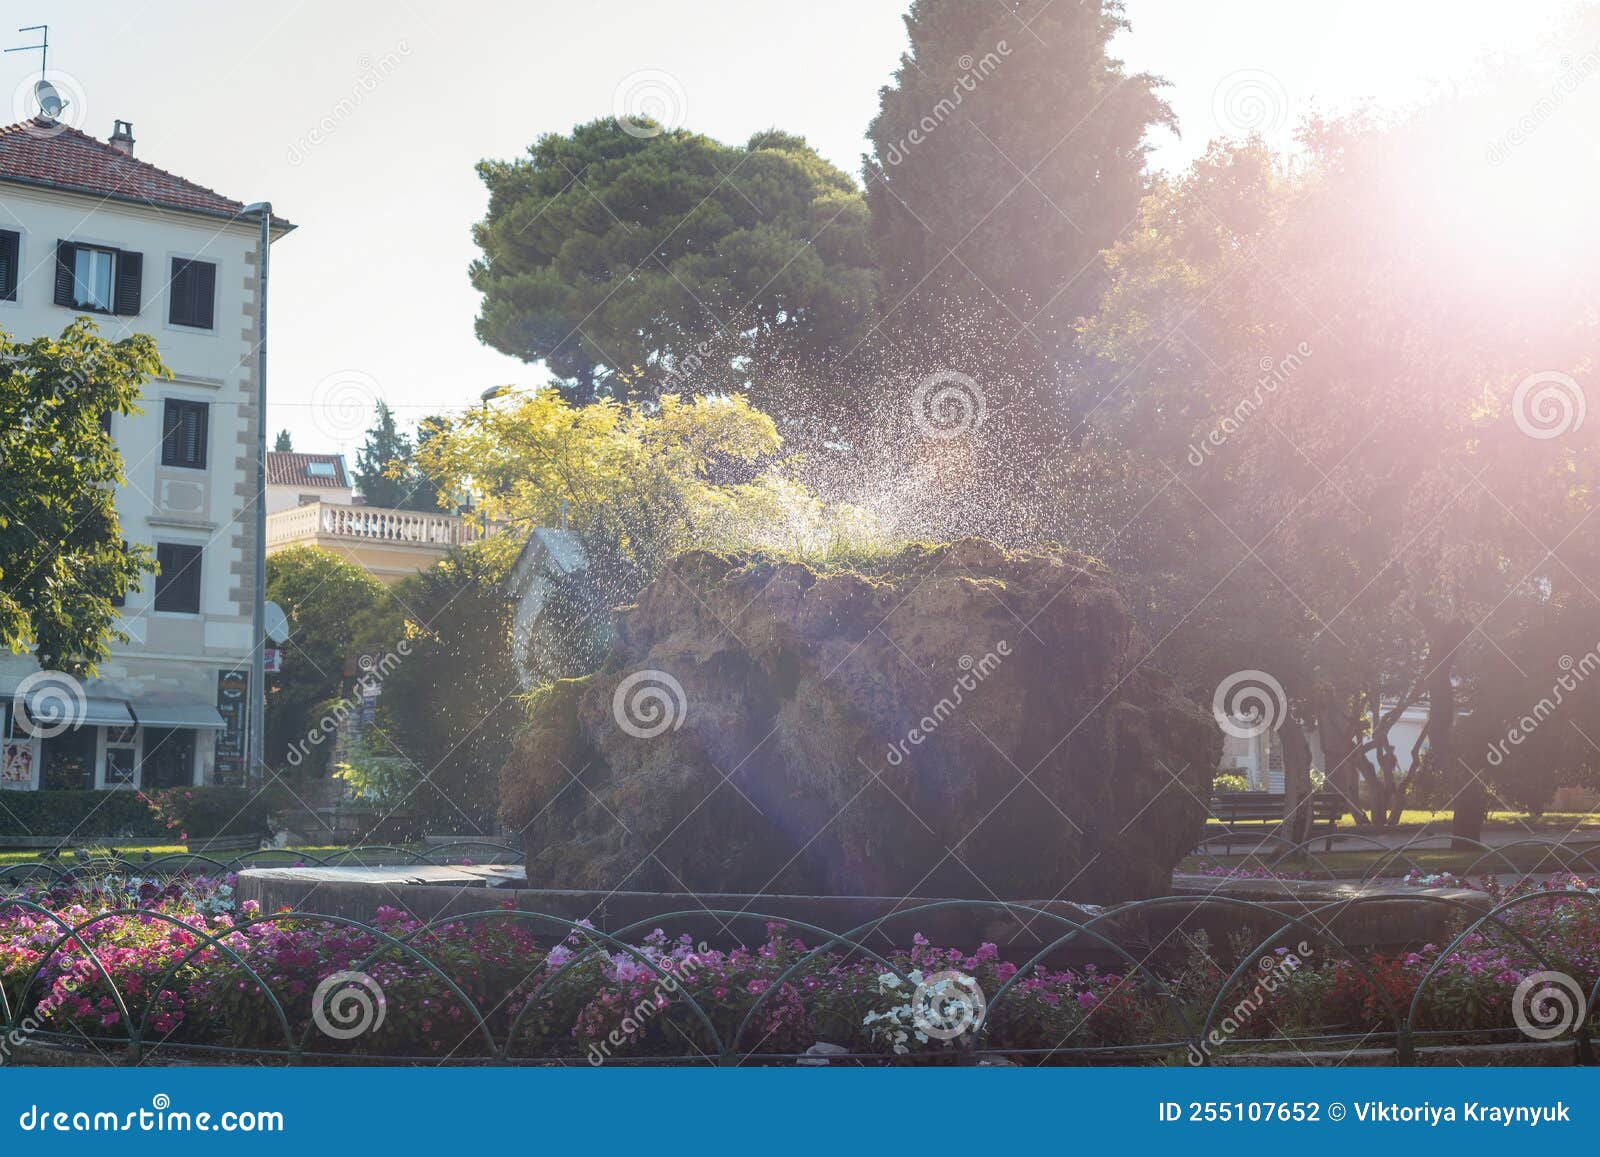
(367, 523)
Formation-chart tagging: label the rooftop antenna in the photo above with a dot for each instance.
(50, 103)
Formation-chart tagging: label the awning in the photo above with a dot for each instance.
(45, 709)
(201, 716)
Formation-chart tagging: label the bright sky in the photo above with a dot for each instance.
(370, 295)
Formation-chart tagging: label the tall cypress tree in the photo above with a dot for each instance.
(1007, 154)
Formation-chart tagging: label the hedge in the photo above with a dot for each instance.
(196, 812)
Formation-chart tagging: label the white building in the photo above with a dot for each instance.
(85, 228)
(311, 502)
(1260, 758)
(305, 479)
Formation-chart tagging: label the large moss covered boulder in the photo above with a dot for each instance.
(964, 721)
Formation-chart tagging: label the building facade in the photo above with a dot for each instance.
(86, 228)
(295, 480)
(311, 502)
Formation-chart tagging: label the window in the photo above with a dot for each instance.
(168, 757)
(178, 584)
(16, 751)
(120, 599)
(121, 764)
(183, 433)
(319, 469)
(91, 278)
(98, 278)
(193, 292)
(10, 248)
(69, 760)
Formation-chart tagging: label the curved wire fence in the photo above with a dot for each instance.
(238, 987)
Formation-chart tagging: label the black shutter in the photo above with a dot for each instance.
(130, 280)
(8, 264)
(195, 435)
(192, 293)
(171, 422)
(66, 255)
(205, 292)
(177, 578)
(183, 433)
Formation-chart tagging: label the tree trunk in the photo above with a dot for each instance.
(1337, 731)
(1297, 810)
(1471, 800)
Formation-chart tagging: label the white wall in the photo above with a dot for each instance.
(288, 497)
(172, 658)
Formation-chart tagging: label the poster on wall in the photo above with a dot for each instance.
(16, 764)
(233, 704)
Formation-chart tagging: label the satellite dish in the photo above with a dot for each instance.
(50, 102)
(276, 624)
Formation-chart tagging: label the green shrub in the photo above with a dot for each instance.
(1229, 781)
(204, 812)
(115, 814)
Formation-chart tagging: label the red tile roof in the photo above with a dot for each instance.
(41, 152)
(287, 469)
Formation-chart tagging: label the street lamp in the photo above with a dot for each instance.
(258, 617)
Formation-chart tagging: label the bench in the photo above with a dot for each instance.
(1230, 808)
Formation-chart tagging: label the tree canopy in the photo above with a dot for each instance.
(64, 565)
(1008, 152)
(1315, 368)
(633, 264)
(386, 472)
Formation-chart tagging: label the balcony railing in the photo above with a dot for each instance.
(375, 524)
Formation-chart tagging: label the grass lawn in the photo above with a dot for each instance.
(1355, 864)
(1520, 821)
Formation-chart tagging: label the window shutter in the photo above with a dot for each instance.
(195, 435)
(192, 293)
(205, 293)
(66, 254)
(130, 280)
(8, 264)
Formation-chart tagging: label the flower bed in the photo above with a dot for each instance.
(182, 966)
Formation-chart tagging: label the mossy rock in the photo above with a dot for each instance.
(964, 721)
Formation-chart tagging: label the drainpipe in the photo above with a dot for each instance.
(256, 770)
